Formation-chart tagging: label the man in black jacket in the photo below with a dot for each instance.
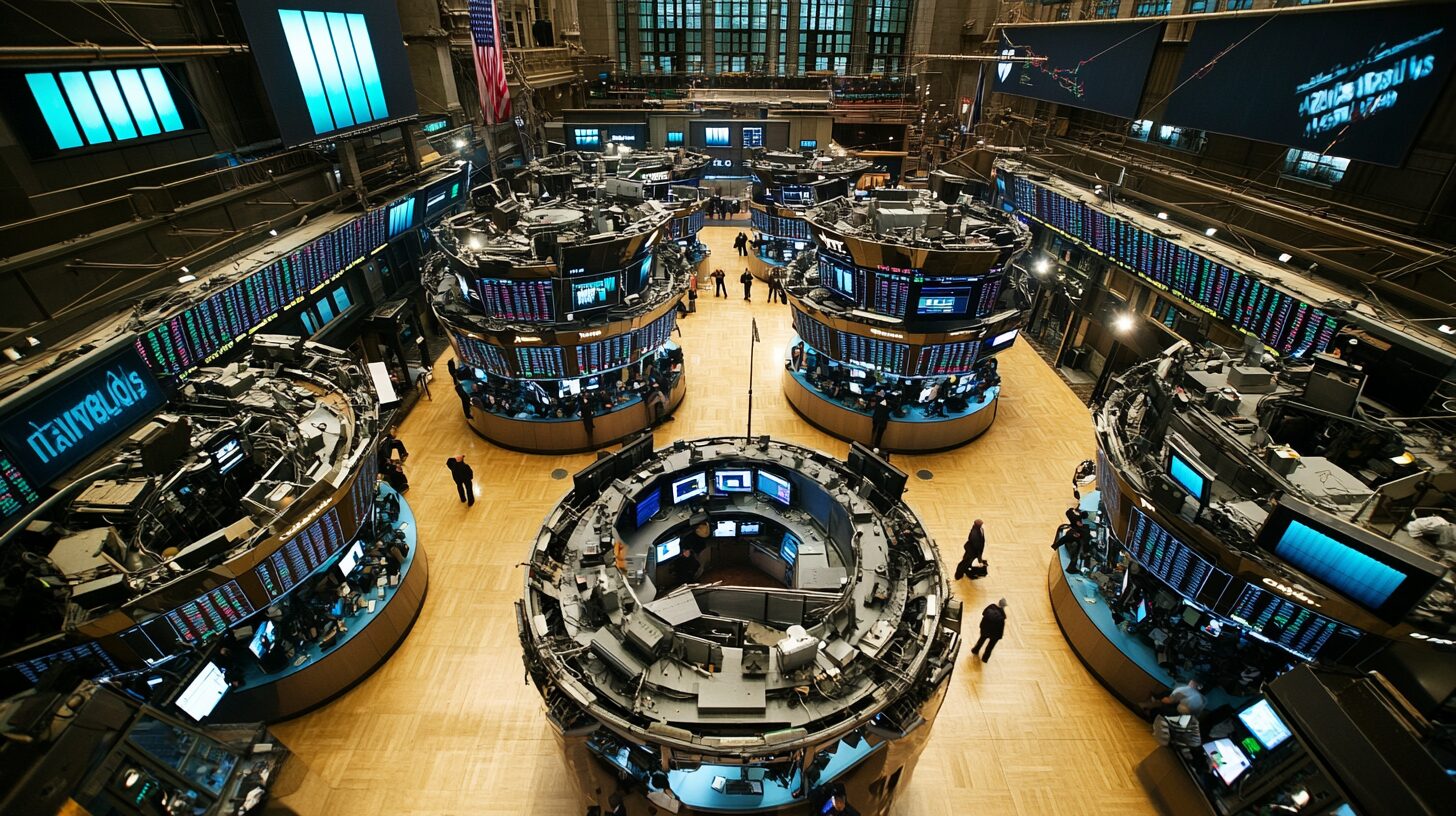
(993, 626)
(879, 422)
(464, 479)
(975, 550)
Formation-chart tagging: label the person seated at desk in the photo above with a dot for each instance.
(689, 564)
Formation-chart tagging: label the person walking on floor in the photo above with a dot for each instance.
(720, 285)
(741, 244)
(879, 422)
(464, 478)
(993, 627)
(975, 549)
(747, 280)
(463, 389)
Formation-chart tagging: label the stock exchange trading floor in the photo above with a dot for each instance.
(448, 724)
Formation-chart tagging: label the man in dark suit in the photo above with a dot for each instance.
(879, 421)
(975, 549)
(993, 626)
(464, 478)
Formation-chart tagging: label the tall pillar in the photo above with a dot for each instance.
(771, 48)
(859, 38)
(634, 36)
(791, 59)
(710, 66)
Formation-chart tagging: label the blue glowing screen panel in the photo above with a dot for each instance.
(647, 507)
(330, 67)
(1358, 576)
(1285, 323)
(1186, 477)
(401, 216)
(689, 488)
(589, 294)
(715, 136)
(775, 487)
(67, 418)
(789, 549)
(669, 549)
(60, 111)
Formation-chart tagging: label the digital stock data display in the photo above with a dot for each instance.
(1359, 86)
(209, 614)
(1284, 322)
(776, 226)
(33, 668)
(213, 327)
(299, 556)
(882, 355)
(540, 363)
(482, 355)
(948, 358)
(16, 491)
(1272, 617)
(604, 355)
(817, 335)
(655, 335)
(528, 300)
(1099, 66)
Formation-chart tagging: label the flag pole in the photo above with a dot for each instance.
(752, 341)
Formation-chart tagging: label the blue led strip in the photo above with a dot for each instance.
(334, 59)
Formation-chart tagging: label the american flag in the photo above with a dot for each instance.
(490, 65)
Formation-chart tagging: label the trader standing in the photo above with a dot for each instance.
(720, 286)
(464, 478)
(993, 627)
(879, 422)
(747, 280)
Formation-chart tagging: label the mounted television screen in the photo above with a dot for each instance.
(689, 488)
(789, 549)
(775, 487)
(588, 294)
(1368, 570)
(749, 528)
(1359, 86)
(204, 692)
(725, 529)
(263, 639)
(1001, 341)
(1189, 474)
(732, 481)
(647, 507)
(1098, 66)
(330, 67)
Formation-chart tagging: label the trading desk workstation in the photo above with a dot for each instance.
(752, 621)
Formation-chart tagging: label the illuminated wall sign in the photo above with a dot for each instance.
(59, 424)
(883, 333)
(1292, 591)
(657, 176)
(833, 244)
(104, 105)
(330, 66)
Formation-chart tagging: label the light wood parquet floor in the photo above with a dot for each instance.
(448, 726)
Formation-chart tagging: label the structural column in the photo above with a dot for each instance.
(859, 38)
(771, 47)
(791, 59)
(710, 65)
(634, 36)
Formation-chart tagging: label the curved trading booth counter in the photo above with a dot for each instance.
(895, 325)
(916, 427)
(724, 627)
(239, 522)
(561, 313)
(1252, 516)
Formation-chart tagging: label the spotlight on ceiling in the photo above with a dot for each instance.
(1122, 323)
(186, 278)
(1211, 231)
(1162, 216)
(1284, 257)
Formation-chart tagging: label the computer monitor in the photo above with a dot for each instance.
(925, 394)
(351, 557)
(856, 388)
(593, 383)
(1141, 613)
(858, 373)
(689, 488)
(775, 487)
(1001, 340)
(749, 528)
(204, 692)
(725, 529)
(647, 507)
(1189, 475)
(569, 388)
(263, 639)
(669, 549)
(1192, 616)
(733, 481)
(1225, 759)
(789, 549)
(1265, 724)
(226, 453)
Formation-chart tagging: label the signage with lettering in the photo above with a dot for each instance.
(60, 423)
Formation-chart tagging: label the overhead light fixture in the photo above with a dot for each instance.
(475, 242)
(1211, 231)
(12, 354)
(1122, 323)
(32, 341)
(1162, 216)
(185, 270)
(273, 232)
(1284, 257)
(1042, 266)
(459, 144)
(1404, 458)
(1446, 328)
(186, 278)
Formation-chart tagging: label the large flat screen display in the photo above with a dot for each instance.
(1358, 86)
(690, 487)
(1377, 574)
(1264, 723)
(59, 422)
(775, 487)
(593, 293)
(647, 507)
(330, 67)
(1099, 67)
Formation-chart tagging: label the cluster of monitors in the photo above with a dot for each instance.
(1228, 760)
(725, 482)
(671, 548)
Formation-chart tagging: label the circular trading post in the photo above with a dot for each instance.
(899, 315)
(730, 625)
